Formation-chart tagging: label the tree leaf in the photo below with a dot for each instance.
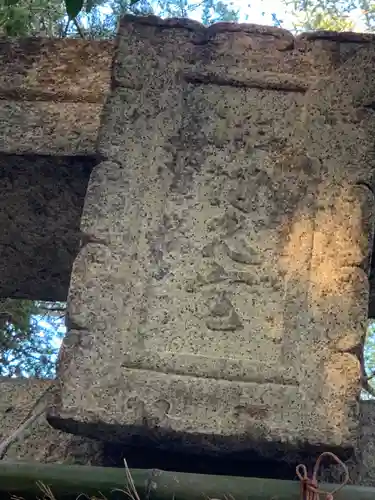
(89, 5)
(9, 3)
(73, 7)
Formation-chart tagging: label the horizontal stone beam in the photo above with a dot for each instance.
(51, 94)
(49, 128)
(44, 69)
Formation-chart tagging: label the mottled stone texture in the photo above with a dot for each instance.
(367, 444)
(51, 94)
(221, 293)
(44, 444)
(51, 97)
(41, 201)
(40, 442)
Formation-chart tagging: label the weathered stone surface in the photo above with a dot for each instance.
(367, 444)
(57, 69)
(44, 444)
(41, 201)
(49, 128)
(222, 291)
(40, 442)
(52, 93)
(51, 97)
(362, 467)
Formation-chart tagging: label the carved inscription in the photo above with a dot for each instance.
(248, 206)
(222, 314)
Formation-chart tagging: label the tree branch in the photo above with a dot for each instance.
(33, 415)
(78, 28)
(4, 445)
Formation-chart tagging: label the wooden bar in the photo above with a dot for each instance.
(67, 482)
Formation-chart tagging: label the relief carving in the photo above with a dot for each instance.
(240, 251)
(222, 316)
(216, 274)
(231, 243)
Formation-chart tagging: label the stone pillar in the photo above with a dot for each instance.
(219, 293)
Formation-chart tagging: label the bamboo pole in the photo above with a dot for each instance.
(68, 481)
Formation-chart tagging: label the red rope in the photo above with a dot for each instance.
(309, 486)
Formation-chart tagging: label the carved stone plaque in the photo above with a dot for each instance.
(223, 277)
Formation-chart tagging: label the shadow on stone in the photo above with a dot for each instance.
(41, 201)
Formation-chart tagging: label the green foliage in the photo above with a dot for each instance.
(212, 10)
(29, 337)
(218, 11)
(31, 17)
(332, 15)
(51, 17)
(370, 348)
(74, 7)
(97, 19)
(319, 20)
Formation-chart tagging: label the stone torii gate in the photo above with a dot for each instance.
(220, 291)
